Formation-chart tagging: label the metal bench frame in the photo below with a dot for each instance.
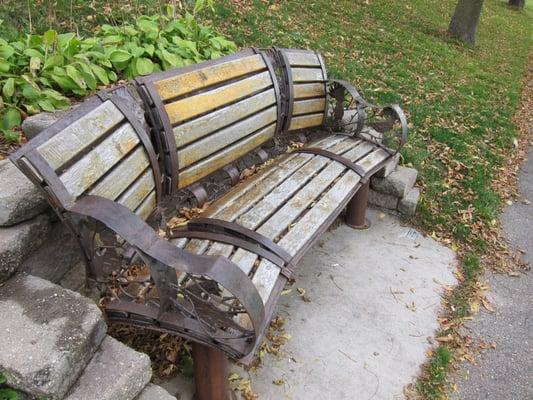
(138, 240)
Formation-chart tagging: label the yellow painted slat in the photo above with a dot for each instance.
(202, 78)
(196, 105)
(306, 90)
(306, 121)
(308, 106)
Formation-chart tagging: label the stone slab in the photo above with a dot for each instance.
(20, 200)
(116, 372)
(56, 257)
(382, 200)
(35, 124)
(374, 300)
(407, 205)
(19, 241)
(154, 392)
(49, 335)
(398, 183)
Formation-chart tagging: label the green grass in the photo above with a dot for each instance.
(431, 388)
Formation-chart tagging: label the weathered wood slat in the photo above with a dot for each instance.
(147, 206)
(309, 106)
(216, 141)
(225, 156)
(306, 90)
(123, 175)
(242, 198)
(192, 106)
(89, 169)
(62, 147)
(134, 196)
(306, 121)
(308, 59)
(210, 75)
(373, 159)
(307, 75)
(200, 127)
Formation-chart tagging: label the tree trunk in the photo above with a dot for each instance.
(465, 19)
(519, 4)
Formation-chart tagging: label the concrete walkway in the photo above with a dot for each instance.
(506, 372)
(373, 302)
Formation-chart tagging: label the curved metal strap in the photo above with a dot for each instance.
(233, 240)
(221, 226)
(336, 157)
(139, 234)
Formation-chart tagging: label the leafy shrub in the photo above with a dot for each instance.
(40, 72)
(5, 392)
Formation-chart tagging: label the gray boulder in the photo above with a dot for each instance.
(20, 199)
(19, 241)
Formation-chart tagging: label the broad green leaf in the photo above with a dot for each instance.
(130, 30)
(147, 26)
(76, 76)
(100, 74)
(11, 118)
(6, 51)
(111, 39)
(12, 136)
(9, 88)
(89, 79)
(4, 65)
(119, 56)
(55, 60)
(149, 49)
(46, 105)
(112, 76)
(144, 66)
(64, 82)
(49, 37)
(9, 394)
(32, 108)
(33, 53)
(30, 93)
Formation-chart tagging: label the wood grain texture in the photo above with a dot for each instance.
(307, 75)
(122, 175)
(306, 121)
(147, 206)
(306, 90)
(216, 141)
(210, 75)
(135, 194)
(225, 156)
(193, 106)
(309, 106)
(89, 169)
(197, 128)
(308, 59)
(63, 146)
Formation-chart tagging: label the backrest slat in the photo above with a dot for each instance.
(80, 134)
(147, 206)
(210, 114)
(135, 195)
(307, 93)
(193, 106)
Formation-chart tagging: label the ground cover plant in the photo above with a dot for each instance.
(39, 72)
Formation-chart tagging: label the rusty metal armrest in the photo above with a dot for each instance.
(347, 97)
(165, 259)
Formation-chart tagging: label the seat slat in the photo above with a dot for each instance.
(134, 196)
(89, 169)
(147, 206)
(307, 75)
(63, 146)
(306, 121)
(225, 156)
(122, 176)
(216, 141)
(200, 127)
(210, 75)
(303, 59)
(192, 106)
(309, 106)
(306, 90)
(373, 159)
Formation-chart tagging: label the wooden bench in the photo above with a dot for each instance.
(109, 167)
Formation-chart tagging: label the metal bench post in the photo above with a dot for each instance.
(356, 208)
(211, 368)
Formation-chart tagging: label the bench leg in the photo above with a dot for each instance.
(211, 368)
(356, 209)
